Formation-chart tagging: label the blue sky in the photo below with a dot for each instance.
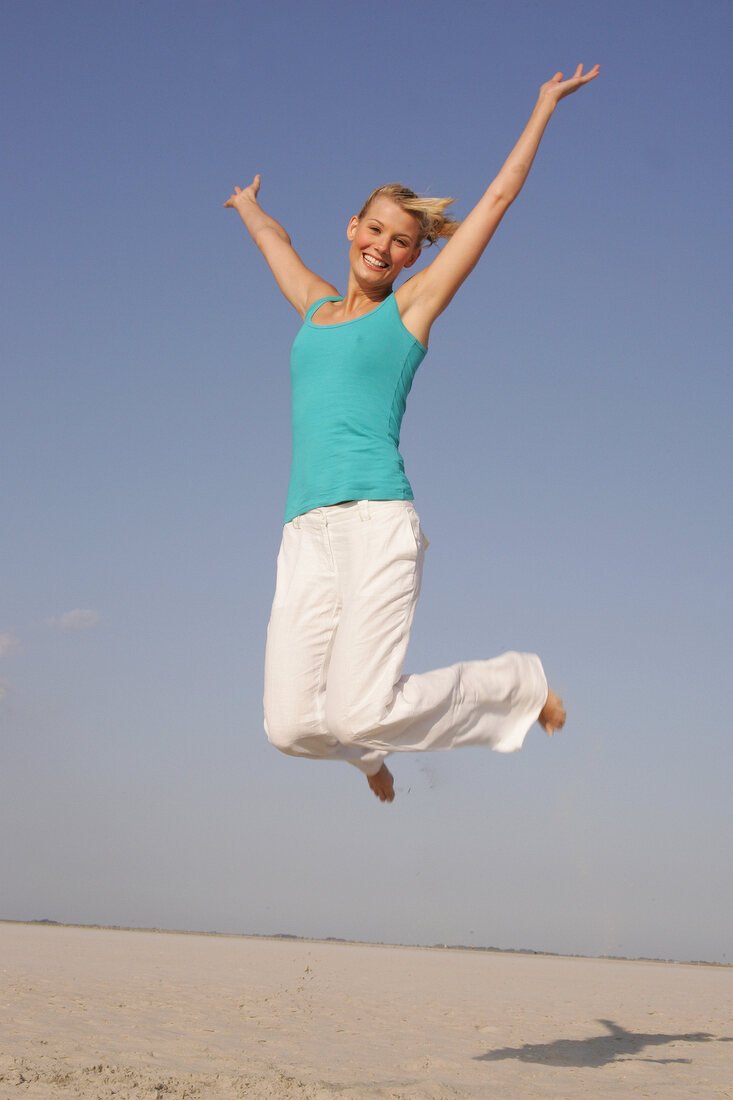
(568, 440)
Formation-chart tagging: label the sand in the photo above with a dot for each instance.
(90, 1014)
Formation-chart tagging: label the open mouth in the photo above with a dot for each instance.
(373, 262)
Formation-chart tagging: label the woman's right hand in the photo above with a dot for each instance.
(300, 286)
(247, 194)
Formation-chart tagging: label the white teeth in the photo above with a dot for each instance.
(378, 265)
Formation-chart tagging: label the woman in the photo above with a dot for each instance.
(351, 558)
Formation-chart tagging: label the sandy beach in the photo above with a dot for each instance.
(97, 1013)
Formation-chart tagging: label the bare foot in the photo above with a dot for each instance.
(382, 784)
(552, 716)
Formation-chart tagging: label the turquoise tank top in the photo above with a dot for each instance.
(350, 383)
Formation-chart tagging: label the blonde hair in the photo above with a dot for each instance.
(429, 212)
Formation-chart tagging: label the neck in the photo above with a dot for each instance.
(359, 299)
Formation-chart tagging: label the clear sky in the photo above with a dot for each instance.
(568, 440)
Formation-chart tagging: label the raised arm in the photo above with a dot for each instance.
(298, 283)
(427, 293)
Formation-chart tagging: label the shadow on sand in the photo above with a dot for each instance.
(616, 1045)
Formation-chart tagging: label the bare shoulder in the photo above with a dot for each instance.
(413, 306)
(318, 289)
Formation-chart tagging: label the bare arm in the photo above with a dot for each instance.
(428, 292)
(298, 283)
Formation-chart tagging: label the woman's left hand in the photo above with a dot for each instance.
(557, 88)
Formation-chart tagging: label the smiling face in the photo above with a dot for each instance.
(383, 242)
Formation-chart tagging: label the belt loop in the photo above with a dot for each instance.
(364, 510)
(296, 523)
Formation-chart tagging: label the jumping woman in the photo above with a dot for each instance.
(351, 558)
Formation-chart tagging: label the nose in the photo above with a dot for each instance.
(382, 245)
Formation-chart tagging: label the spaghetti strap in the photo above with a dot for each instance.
(316, 305)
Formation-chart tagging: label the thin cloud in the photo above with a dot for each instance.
(79, 619)
(9, 644)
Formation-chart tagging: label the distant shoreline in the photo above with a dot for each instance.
(285, 937)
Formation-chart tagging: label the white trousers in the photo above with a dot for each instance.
(348, 579)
